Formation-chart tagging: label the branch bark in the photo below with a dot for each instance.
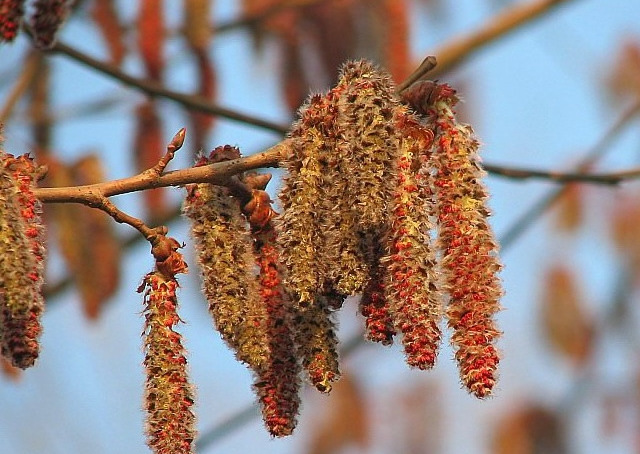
(457, 50)
(151, 88)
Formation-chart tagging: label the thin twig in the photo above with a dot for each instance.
(427, 65)
(526, 220)
(152, 88)
(454, 52)
(29, 71)
(217, 173)
(520, 173)
(273, 10)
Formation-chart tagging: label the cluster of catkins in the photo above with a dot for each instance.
(46, 18)
(372, 175)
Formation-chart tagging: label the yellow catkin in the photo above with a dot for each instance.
(317, 344)
(225, 255)
(302, 226)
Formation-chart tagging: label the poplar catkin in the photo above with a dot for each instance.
(301, 226)
(470, 263)
(48, 16)
(278, 383)
(317, 344)
(410, 286)
(22, 255)
(11, 12)
(170, 423)
(225, 255)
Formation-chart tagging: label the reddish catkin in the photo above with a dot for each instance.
(225, 254)
(410, 286)
(470, 262)
(168, 396)
(379, 325)
(22, 255)
(48, 16)
(278, 383)
(11, 13)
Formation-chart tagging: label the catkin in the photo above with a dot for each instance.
(225, 255)
(470, 263)
(22, 255)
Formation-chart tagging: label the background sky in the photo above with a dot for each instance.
(536, 99)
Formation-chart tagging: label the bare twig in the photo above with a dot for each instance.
(151, 88)
(217, 173)
(543, 204)
(254, 19)
(519, 173)
(29, 71)
(454, 52)
(175, 144)
(427, 65)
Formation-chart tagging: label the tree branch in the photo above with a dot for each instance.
(254, 19)
(520, 173)
(217, 173)
(454, 52)
(151, 88)
(526, 220)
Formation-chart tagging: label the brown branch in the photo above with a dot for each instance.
(151, 88)
(220, 173)
(123, 218)
(519, 173)
(28, 73)
(217, 173)
(252, 20)
(526, 220)
(454, 52)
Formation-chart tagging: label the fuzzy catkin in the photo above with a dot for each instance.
(345, 247)
(224, 249)
(470, 263)
(278, 383)
(410, 287)
(301, 224)
(48, 16)
(168, 395)
(317, 344)
(22, 255)
(379, 318)
(11, 12)
(366, 109)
